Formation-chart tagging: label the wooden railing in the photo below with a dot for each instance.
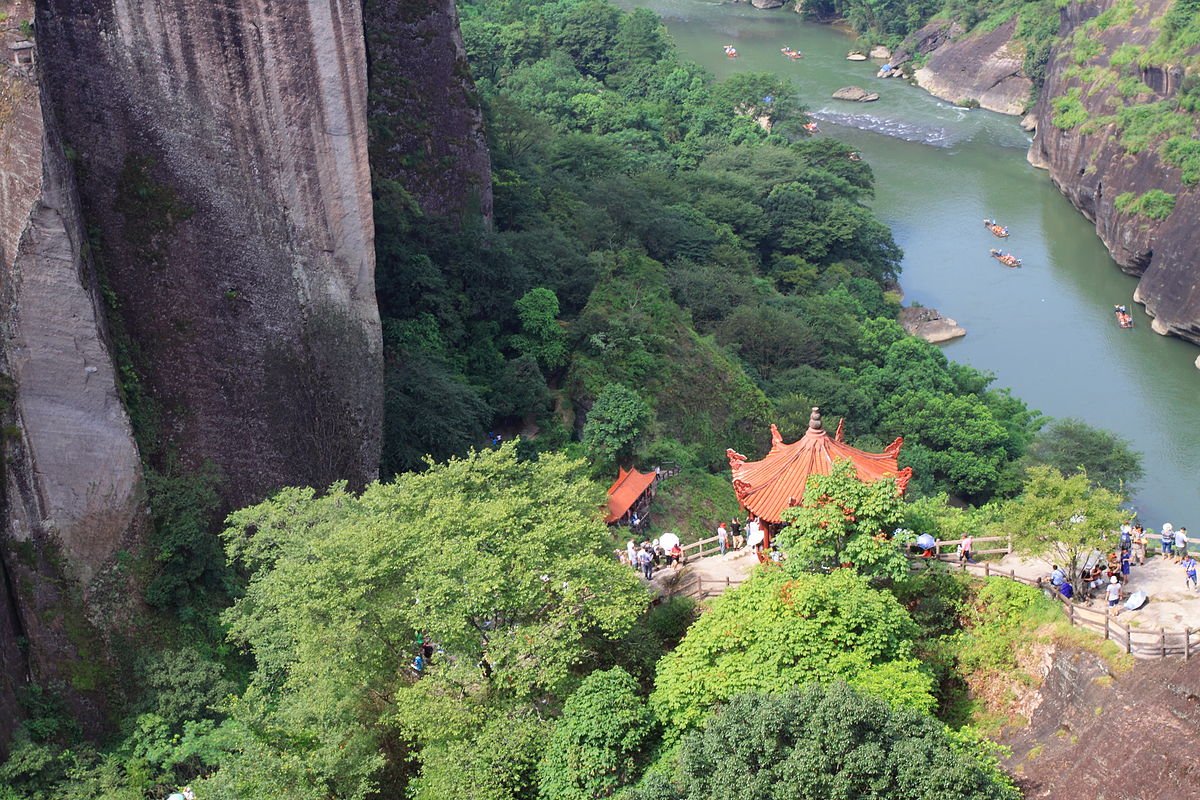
(704, 547)
(698, 587)
(954, 543)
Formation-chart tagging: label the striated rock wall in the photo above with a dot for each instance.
(223, 172)
(71, 469)
(1094, 734)
(985, 67)
(426, 122)
(1091, 167)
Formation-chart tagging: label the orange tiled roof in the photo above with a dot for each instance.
(625, 491)
(767, 487)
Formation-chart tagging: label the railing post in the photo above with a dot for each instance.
(1010, 543)
(1107, 618)
(987, 569)
(1128, 639)
(1162, 641)
(1071, 613)
(1187, 643)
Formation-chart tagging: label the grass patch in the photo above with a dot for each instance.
(1069, 112)
(1125, 55)
(691, 504)
(1154, 204)
(1183, 152)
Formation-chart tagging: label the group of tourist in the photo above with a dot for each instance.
(732, 538)
(1108, 576)
(648, 556)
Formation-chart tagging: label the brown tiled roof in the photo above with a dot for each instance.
(625, 491)
(765, 488)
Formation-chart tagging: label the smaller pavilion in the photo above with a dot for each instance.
(765, 488)
(630, 491)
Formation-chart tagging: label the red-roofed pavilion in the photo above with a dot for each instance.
(626, 491)
(765, 488)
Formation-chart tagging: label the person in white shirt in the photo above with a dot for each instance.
(722, 538)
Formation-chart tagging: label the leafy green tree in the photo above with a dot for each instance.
(831, 742)
(503, 564)
(615, 424)
(499, 762)
(542, 335)
(778, 632)
(1071, 445)
(598, 744)
(1064, 519)
(844, 521)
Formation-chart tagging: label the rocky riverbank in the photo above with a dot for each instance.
(930, 325)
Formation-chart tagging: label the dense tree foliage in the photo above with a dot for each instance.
(599, 741)
(779, 632)
(828, 742)
(1071, 445)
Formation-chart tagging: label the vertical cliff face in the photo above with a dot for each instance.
(1092, 163)
(71, 468)
(223, 173)
(426, 123)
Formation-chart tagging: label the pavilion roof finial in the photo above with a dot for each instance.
(814, 420)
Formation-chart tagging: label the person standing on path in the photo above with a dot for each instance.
(1181, 543)
(1114, 591)
(722, 538)
(1189, 567)
(1168, 539)
(647, 561)
(965, 549)
(631, 549)
(1139, 545)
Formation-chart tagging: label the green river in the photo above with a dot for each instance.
(1046, 330)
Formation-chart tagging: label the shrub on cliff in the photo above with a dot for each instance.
(829, 742)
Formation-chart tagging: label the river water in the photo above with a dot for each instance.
(1045, 330)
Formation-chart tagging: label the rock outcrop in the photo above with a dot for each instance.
(427, 125)
(984, 67)
(222, 154)
(1093, 733)
(855, 94)
(1091, 166)
(930, 325)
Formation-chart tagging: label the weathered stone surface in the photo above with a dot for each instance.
(428, 129)
(1092, 170)
(856, 57)
(1096, 734)
(225, 172)
(767, 3)
(855, 94)
(925, 40)
(73, 472)
(1029, 122)
(1197, 362)
(984, 67)
(930, 325)
(879, 51)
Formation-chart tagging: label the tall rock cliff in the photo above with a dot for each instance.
(71, 468)
(1105, 115)
(223, 172)
(426, 122)
(186, 239)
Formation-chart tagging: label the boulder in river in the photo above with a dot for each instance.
(855, 56)
(879, 51)
(855, 93)
(930, 325)
(1197, 362)
(766, 3)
